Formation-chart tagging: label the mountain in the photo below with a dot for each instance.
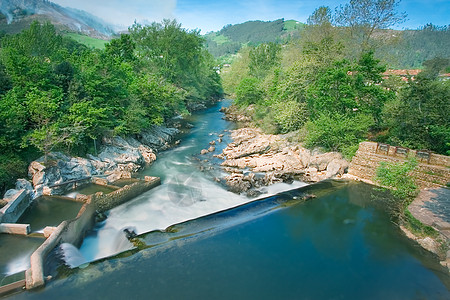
(231, 38)
(15, 15)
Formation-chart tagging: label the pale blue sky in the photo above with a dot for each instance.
(213, 15)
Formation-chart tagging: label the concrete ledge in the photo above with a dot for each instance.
(16, 207)
(73, 231)
(21, 229)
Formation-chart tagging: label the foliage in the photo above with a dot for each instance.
(290, 115)
(58, 94)
(338, 132)
(263, 58)
(12, 167)
(248, 92)
(363, 17)
(419, 118)
(397, 177)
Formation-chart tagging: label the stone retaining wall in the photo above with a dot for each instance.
(432, 172)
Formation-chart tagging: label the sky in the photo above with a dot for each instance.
(213, 15)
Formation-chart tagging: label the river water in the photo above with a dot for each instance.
(339, 245)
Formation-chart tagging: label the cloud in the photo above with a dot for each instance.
(124, 13)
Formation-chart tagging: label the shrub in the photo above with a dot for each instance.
(290, 115)
(338, 132)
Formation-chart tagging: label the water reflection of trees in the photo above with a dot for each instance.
(350, 222)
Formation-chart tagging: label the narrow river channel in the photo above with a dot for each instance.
(339, 245)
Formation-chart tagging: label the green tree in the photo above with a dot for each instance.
(263, 58)
(248, 92)
(397, 177)
(338, 132)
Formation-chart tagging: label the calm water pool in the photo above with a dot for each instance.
(340, 245)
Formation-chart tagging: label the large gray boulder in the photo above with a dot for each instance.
(158, 137)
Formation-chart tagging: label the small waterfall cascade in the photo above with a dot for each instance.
(72, 255)
(114, 240)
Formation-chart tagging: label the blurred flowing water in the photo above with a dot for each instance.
(188, 188)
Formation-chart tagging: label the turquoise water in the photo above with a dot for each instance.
(340, 245)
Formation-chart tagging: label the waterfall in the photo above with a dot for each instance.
(114, 240)
(72, 256)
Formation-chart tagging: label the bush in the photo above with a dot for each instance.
(338, 132)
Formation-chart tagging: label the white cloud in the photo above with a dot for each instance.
(121, 12)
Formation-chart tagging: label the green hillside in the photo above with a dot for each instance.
(231, 38)
(87, 40)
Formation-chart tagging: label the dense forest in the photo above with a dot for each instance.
(57, 94)
(326, 88)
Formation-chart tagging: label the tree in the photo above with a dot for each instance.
(338, 132)
(263, 58)
(420, 118)
(364, 17)
(248, 92)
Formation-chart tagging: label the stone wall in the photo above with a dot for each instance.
(433, 170)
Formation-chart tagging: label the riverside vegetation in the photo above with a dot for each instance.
(57, 94)
(328, 87)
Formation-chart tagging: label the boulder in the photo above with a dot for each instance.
(24, 184)
(35, 167)
(337, 167)
(321, 161)
(204, 151)
(211, 149)
(158, 137)
(10, 194)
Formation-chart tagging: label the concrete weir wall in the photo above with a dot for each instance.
(12, 211)
(432, 172)
(73, 231)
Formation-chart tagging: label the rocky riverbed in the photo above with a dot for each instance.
(254, 160)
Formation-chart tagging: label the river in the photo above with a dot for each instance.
(339, 245)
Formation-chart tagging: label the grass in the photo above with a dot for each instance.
(220, 39)
(291, 25)
(87, 40)
(418, 228)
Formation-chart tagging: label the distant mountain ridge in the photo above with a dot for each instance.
(18, 13)
(231, 38)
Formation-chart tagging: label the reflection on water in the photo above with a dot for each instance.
(277, 248)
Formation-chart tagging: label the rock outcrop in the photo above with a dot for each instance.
(117, 156)
(277, 159)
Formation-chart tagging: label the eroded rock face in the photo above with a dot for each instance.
(158, 137)
(117, 155)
